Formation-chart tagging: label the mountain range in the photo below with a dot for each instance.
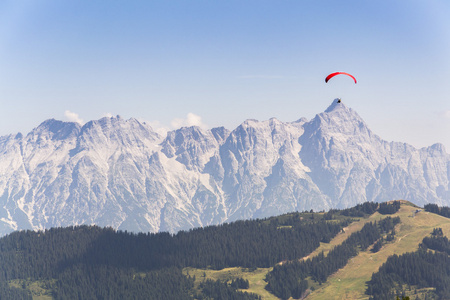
(121, 173)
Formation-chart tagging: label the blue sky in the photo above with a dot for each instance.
(218, 63)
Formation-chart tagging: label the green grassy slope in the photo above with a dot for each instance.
(255, 278)
(350, 281)
(347, 283)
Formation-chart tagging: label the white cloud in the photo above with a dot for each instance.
(73, 117)
(447, 114)
(190, 120)
(444, 114)
(158, 127)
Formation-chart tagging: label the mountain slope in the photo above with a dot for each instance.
(51, 260)
(350, 281)
(121, 173)
(350, 164)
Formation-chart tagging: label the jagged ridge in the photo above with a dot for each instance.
(121, 173)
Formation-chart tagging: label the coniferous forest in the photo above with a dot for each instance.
(434, 208)
(89, 262)
(427, 267)
(420, 269)
(288, 280)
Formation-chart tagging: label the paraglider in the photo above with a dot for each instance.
(338, 73)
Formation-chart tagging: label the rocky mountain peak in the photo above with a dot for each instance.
(119, 172)
(340, 122)
(55, 129)
(335, 105)
(192, 146)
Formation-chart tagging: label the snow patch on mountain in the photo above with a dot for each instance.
(121, 173)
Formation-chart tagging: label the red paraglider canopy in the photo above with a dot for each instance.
(338, 73)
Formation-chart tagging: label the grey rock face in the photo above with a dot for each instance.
(121, 173)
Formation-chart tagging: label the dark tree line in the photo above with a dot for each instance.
(240, 283)
(245, 243)
(387, 208)
(437, 242)
(288, 280)
(7, 292)
(360, 210)
(219, 290)
(366, 209)
(434, 208)
(88, 260)
(422, 269)
(104, 282)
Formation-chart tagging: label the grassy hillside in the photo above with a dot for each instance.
(350, 281)
(55, 262)
(255, 278)
(101, 252)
